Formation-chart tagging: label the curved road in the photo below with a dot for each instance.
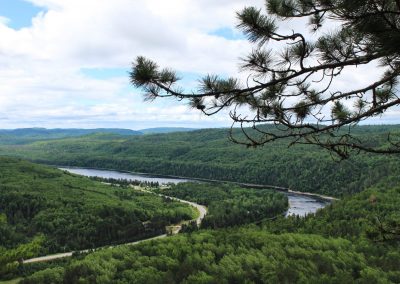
(202, 209)
(202, 213)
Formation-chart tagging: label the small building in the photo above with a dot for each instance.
(173, 229)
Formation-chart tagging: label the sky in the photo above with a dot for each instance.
(65, 63)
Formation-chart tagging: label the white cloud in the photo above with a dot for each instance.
(40, 67)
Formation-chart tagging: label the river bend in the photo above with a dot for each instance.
(299, 204)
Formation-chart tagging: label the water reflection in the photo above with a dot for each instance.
(298, 204)
(303, 205)
(122, 175)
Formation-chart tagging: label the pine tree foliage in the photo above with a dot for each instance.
(294, 87)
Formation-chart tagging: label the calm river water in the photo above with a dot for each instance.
(298, 204)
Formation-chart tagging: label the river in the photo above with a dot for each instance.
(298, 204)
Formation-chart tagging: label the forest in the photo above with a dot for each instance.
(209, 154)
(230, 205)
(342, 243)
(295, 83)
(244, 239)
(58, 211)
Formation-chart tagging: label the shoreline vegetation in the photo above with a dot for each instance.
(248, 185)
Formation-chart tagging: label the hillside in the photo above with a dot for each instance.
(354, 240)
(209, 154)
(343, 243)
(73, 212)
(230, 205)
(26, 135)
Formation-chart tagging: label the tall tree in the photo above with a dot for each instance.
(293, 87)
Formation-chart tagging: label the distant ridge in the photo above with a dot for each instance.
(32, 134)
(67, 131)
(38, 133)
(158, 130)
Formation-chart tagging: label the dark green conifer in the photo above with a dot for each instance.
(295, 86)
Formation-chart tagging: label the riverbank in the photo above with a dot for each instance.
(183, 179)
(321, 196)
(300, 204)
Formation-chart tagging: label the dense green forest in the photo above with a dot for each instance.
(69, 212)
(343, 243)
(230, 205)
(354, 240)
(209, 154)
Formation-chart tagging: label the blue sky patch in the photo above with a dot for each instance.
(105, 73)
(228, 33)
(19, 12)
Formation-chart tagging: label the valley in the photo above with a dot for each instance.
(108, 222)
